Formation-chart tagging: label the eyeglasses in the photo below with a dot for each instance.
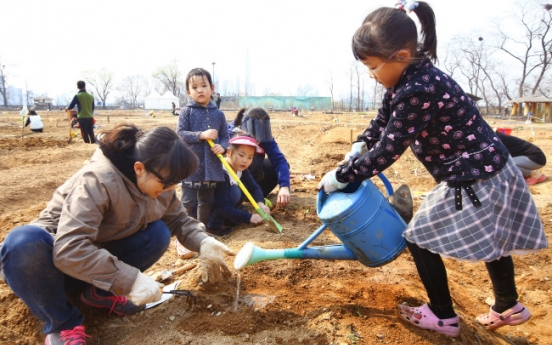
(372, 71)
(161, 179)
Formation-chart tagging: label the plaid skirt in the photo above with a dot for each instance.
(506, 223)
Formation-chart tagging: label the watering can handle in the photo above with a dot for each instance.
(388, 187)
(387, 184)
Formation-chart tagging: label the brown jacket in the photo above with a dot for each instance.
(98, 205)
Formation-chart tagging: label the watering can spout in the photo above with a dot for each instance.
(251, 254)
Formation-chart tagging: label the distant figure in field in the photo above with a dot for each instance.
(218, 100)
(173, 108)
(85, 105)
(35, 121)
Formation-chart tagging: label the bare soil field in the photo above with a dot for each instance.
(281, 301)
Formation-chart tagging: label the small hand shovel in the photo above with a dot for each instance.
(166, 274)
(267, 217)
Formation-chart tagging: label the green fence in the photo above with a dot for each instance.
(276, 103)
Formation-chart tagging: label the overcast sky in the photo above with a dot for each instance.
(48, 44)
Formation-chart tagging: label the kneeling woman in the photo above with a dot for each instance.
(103, 227)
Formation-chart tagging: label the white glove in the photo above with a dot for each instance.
(144, 290)
(213, 266)
(330, 183)
(357, 150)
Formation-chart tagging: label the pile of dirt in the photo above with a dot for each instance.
(280, 301)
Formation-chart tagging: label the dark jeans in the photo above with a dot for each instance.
(87, 130)
(198, 202)
(235, 199)
(433, 274)
(30, 272)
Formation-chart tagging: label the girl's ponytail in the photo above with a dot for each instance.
(239, 117)
(426, 16)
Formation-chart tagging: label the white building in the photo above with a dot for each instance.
(156, 101)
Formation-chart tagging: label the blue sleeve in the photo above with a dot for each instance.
(183, 127)
(223, 207)
(230, 127)
(74, 102)
(278, 161)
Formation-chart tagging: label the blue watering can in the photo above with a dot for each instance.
(368, 226)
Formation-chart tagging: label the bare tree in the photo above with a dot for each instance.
(330, 82)
(351, 73)
(62, 100)
(238, 87)
(133, 87)
(3, 83)
(534, 44)
(172, 78)
(358, 86)
(304, 90)
(102, 83)
(29, 95)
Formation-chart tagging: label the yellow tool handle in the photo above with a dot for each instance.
(235, 177)
(265, 216)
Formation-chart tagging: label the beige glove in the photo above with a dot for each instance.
(145, 290)
(213, 267)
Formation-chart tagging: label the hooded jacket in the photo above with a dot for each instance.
(98, 205)
(193, 120)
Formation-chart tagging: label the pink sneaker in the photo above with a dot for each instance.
(424, 318)
(534, 178)
(75, 336)
(516, 315)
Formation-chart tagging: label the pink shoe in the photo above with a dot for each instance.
(533, 180)
(516, 315)
(424, 318)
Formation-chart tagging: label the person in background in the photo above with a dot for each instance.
(85, 105)
(218, 100)
(103, 227)
(481, 209)
(228, 194)
(173, 108)
(526, 156)
(273, 170)
(35, 121)
(199, 121)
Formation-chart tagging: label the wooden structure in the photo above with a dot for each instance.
(530, 106)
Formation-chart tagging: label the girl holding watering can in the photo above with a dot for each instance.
(470, 214)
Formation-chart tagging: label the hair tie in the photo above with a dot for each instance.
(407, 5)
